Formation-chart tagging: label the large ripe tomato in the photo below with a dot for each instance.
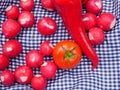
(67, 54)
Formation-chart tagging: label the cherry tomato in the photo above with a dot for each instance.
(67, 54)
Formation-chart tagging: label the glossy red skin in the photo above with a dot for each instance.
(7, 78)
(47, 4)
(10, 28)
(46, 48)
(96, 35)
(71, 13)
(67, 54)
(92, 7)
(4, 61)
(48, 69)
(12, 12)
(104, 21)
(27, 5)
(23, 71)
(38, 82)
(12, 48)
(26, 19)
(46, 26)
(89, 20)
(34, 59)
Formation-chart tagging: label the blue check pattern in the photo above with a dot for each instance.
(105, 77)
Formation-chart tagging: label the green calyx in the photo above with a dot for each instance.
(69, 54)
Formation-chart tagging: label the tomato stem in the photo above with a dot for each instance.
(69, 54)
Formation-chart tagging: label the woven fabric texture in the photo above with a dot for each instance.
(105, 77)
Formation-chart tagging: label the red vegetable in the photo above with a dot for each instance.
(10, 28)
(7, 78)
(27, 5)
(12, 12)
(4, 61)
(34, 58)
(23, 74)
(12, 48)
(38, 82)
(46, 26)
(71, 13)
(106, 21)
(94, 6)
(48, 69)
(46, 48)
(67, 54)
(47, 4)
(89, 20)
(26, 19)
(96, 35)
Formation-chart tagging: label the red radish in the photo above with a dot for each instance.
(89, 20)
(12, 12)
(38, 82)
(12, 48)
(106, 21)
(48, 69)
(23, 74)
(94, 6)
(4, 61)
(27, 5)
(46, 48)
(46, 26)
(96, 35)
(26, 19)
(10, 28)
(47, 4)
(34, 59)
(7, 78)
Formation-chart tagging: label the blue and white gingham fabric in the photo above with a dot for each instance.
(105, 77)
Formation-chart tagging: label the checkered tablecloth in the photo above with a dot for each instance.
(105, 77)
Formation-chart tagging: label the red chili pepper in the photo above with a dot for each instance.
(71, 13)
